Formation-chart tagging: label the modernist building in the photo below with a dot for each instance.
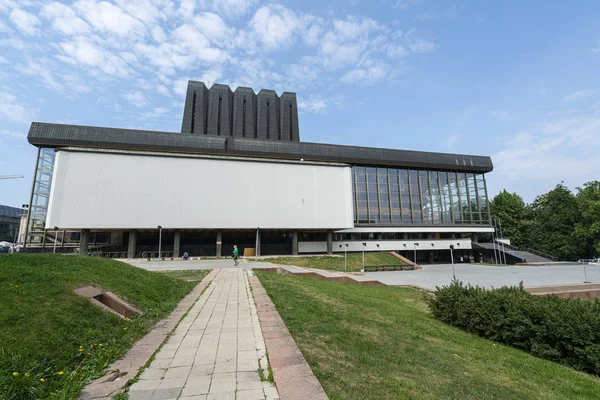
(10, 218)
(237, 173)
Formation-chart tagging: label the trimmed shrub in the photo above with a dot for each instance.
(566, 331)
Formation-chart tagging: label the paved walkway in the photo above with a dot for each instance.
(215, 352)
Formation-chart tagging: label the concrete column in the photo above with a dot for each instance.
(453, 235)
(84, 242)
(405, 236)
(219, 243)
(132, 244)
(295, 243)
(474, 238)
(176, 243)
(330, 242)
(431, 257)
(379, 236)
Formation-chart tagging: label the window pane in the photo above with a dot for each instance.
(417, 214)
(434, 192)
(425, 197)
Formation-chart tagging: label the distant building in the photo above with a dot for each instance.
(10, 219)
(237, 173)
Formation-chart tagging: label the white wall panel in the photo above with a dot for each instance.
(112, 191)
(385, 245)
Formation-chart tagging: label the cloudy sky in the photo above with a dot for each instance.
(517, 81)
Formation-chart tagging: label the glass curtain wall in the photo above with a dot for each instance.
(400, 196)
(38, 208)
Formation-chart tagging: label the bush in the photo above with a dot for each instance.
(566, 331)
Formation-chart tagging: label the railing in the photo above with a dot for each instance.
(532, 251)
(154, 254)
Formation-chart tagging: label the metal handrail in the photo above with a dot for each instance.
(154, 254)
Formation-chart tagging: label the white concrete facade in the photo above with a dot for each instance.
(385, 245)
(128, 191)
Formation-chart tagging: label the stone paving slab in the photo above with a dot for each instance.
(293, 376)
(215, 352)
(127, 367)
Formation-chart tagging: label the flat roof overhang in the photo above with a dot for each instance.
(59, 135)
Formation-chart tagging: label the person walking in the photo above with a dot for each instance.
(235, 255)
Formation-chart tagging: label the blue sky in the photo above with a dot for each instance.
(517, 81)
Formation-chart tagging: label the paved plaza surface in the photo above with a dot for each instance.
(487, 276)
(192, 264)
(215, 352)
(428, 277)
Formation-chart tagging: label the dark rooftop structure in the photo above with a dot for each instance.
(220, 112)
(58, 135)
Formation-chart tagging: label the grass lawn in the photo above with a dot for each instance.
(192, 275)
(382, 343)
(336, 263)
(53, 341)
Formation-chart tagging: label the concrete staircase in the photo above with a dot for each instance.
(512, 254)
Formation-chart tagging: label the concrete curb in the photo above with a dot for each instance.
(293, 377)
(126, 368)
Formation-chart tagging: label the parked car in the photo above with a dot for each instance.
(585, 260)
(4, 249)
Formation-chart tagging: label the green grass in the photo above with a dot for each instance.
(336, 263)
(192, 275)
(46, 329)
(382, 343)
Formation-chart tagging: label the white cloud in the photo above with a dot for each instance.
(162, 89)
(136, 98)
(275, 26)
(314, 104)
(366, 75)
(109, 18)
(213, 27)
(156, 113)
(405, 4)
(580, 94)
(82, 52)
(561, 149)
(229, 8)
(13, 111)
(418, 45)
(64, 19)
(3, 60)
(453, 139)
(4, 28)
(26, 22)
(13, 134)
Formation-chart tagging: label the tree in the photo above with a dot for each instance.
(588, 228)
(514, 215)
(555, 215)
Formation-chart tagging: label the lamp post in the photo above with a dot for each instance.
(494, 241)
(345, 250)
(502, 243)
(55, 239)
(452, 258)
(159, 243)
(363, 257)
(415, 252)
